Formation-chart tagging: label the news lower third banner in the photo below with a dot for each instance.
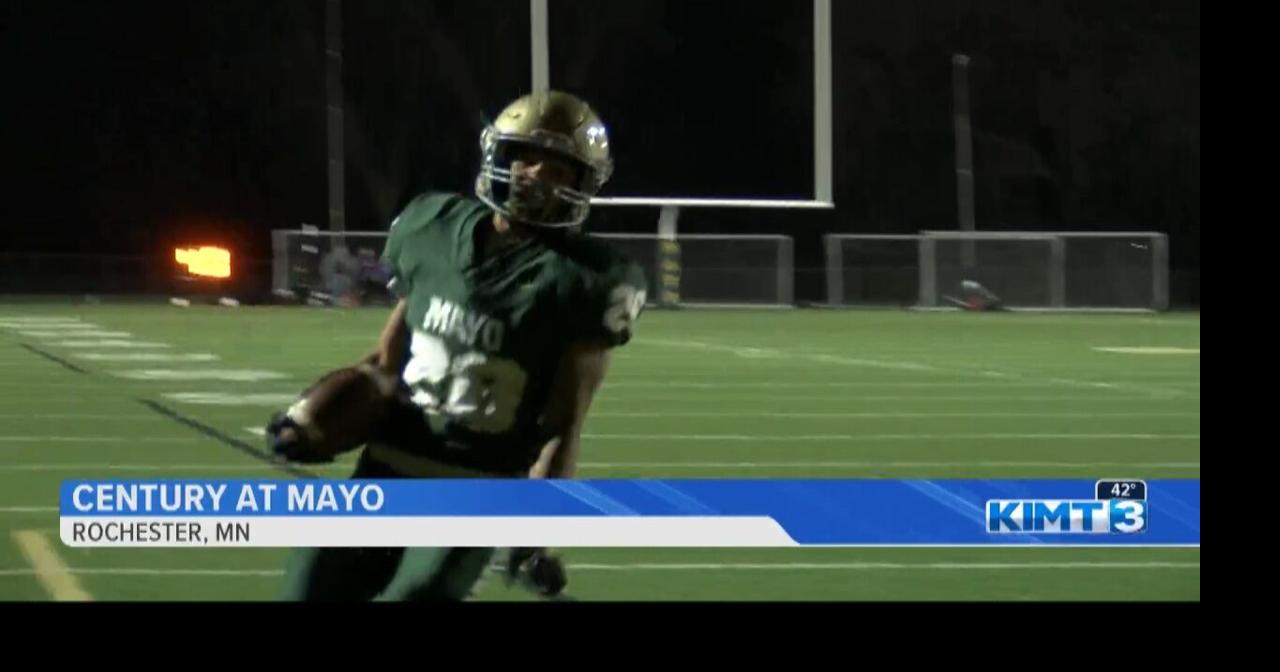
(629, 513)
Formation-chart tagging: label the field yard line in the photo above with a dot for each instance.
(81, 333)
(185, 375)
(111, 343)
(893, 414)
(908, 365)
(52, 573)
(154, 572)
(229, 398)
(25, 321)
(607, 396)
(75, 416)
(891, 464)
(782, 438)
(864, 566)
(98, 439)
(747, 352)
(1150, 350)
(151, 467)
(636, 465)
(692, 566)
(147, 357)
(709, 384)
(232, 398)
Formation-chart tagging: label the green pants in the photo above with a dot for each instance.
(394, 574)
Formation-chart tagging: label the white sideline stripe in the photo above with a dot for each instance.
(773, 414)
(285, 398)
(887, 465)
(1150, 350)
(20, 321)
(616, 397)
(108, 343)
(232, 399)
(913, 366)
(604, 396)
(155, 467)
(757, 353)
(147, 357)
(784, 438)
(259, 431)
(631, 465)
(773, 384)
(690, 566)
(77, 416)
(64, 329)
(155, 572)
(872, 566)
(234, 375)
(52, 573)
(98, 439)
(28, 509)
(78, 333)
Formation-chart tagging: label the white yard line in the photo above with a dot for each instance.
(147, 357)
(909, 365)
(871, 465)
(91, 466)
(100, 439)
(905, 414)
(52, 573)
(693, 567)
(228, 375)
(110, 343)
(786, 438)
(815, 464)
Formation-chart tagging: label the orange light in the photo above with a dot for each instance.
(209, 262)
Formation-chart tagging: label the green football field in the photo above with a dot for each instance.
(792, 393)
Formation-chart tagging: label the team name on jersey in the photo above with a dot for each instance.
(447, 319)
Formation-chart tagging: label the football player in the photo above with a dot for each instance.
(488, 364)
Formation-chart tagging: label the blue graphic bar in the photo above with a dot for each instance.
(812, 512)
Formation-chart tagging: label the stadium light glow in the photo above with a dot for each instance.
(208, 262)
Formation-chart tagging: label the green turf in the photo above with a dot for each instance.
(698, 394)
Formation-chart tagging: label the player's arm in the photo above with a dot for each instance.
(391, 353)
(343, 409)
(581, 371)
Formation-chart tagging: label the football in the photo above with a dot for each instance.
(339, 412)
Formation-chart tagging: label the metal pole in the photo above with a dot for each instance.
(538, 44)
(823, 190)
(334, 116)
(964, 152)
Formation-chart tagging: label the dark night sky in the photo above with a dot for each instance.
(130, 125)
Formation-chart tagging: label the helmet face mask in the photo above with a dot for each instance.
(547, 128)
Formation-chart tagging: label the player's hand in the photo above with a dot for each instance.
(287, 441)
(543, 570)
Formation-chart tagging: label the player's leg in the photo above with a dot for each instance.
(437, 574)
(342, 574)
(338, 574)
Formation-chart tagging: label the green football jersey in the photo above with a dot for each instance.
(487, 337)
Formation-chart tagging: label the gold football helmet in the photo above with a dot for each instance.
(546, 123)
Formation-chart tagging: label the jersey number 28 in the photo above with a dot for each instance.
(481, 391)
